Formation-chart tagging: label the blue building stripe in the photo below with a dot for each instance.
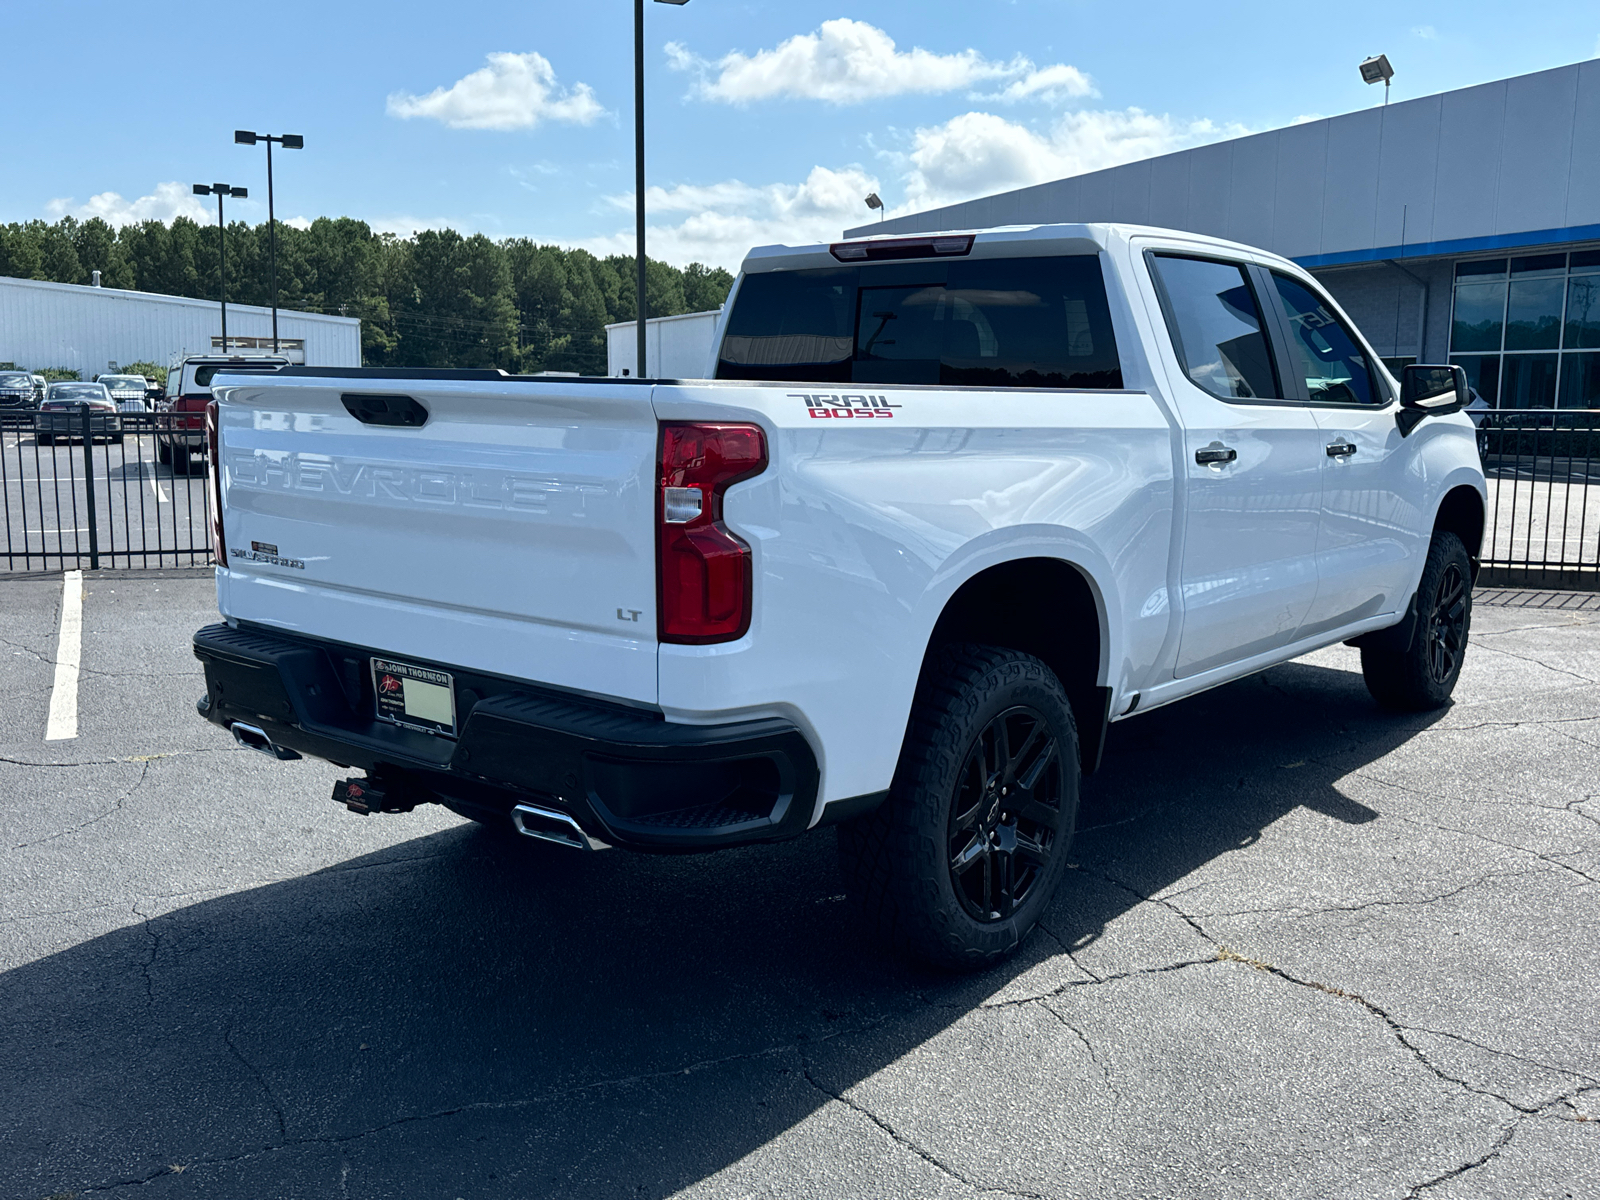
(1498, 241)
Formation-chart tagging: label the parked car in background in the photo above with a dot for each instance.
(129, 393)
(60, 417)
(182, 432)
(127, 390)
(154, 392)
(40, 387)
(17, 392)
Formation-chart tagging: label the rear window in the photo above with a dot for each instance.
(1006, 322)
(204, 375)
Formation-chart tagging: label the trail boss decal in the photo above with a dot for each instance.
(855, 406)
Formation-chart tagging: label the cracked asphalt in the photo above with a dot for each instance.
(1307, 949)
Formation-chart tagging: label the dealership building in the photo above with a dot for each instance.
(93, 330)
(1463, 226)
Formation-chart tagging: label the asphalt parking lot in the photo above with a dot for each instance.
(1308, 949)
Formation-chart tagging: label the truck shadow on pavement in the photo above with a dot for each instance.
(467, 1014)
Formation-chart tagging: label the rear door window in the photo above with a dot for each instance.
(200, 377)
(1323, 348)
(1036, 322)
(1216, 326)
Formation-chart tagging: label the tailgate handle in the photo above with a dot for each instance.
(400, 411)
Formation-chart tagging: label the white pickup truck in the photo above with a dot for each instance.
(948, 507)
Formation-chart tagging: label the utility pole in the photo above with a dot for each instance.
(638, 171)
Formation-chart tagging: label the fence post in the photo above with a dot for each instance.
(88, 485)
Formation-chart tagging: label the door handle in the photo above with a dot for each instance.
(1341, 449)
(1215, 455)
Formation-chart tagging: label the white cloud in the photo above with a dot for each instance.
(298, 222)
(972, 155)
(726, 219)
(1050, 84)
(404, 226)
(515, 91)
(848, 62)
(169, 200)
(1426, 32)
(979, 153)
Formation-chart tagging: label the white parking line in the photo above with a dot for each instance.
(63, 722)
(31, 484)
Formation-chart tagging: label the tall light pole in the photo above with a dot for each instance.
(219, 190)
(638, 167)
(289, 141)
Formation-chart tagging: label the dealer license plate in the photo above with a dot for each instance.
(416, 697)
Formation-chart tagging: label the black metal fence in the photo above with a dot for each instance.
(81, 490)
(90, 497)
(1543, 524)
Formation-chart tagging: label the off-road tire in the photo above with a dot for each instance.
(1423, 676)
(897, 860)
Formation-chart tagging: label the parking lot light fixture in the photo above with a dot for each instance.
(1377, 70)
(289, 141)
(219, 190)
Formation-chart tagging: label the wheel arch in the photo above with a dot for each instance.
(1048, 607)
(1461, 511)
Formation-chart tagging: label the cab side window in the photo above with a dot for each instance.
(1216, 327)
(1322, 348)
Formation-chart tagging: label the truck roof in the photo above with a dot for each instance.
(993, 242)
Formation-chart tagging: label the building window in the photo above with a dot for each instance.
(1520, 328)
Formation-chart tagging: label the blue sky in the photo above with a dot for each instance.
(766, 122)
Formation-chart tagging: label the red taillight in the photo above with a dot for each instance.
(219, 551)
(703, 572)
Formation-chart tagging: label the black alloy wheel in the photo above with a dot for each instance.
(1447, 624)
(1418, 673)
(1006, 814)
(965, 853)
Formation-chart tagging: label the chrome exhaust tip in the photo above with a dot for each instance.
(252, 737)
(548, 825)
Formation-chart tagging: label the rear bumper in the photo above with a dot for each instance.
(67, 424)
(627, 776)
(174, 434)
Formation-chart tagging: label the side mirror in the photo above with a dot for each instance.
(1430, 392)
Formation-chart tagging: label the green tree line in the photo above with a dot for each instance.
(435, 299)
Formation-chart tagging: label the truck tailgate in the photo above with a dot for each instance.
(511, 532)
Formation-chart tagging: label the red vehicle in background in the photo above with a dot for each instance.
(181, 430)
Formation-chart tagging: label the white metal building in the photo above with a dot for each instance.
(675, 347)
(92, 330)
